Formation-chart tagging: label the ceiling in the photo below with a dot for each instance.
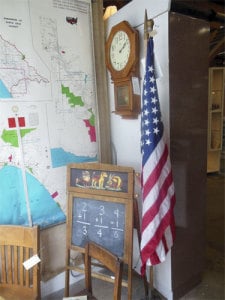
(212, 11)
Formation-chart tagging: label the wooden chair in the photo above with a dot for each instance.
(17, 244)
(109, 261)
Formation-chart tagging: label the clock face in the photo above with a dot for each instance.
(120, 50)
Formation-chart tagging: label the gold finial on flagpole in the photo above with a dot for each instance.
(148, 30)
(148, 26)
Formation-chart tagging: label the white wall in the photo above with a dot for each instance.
(125, 133)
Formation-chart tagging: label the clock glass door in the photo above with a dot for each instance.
(123, 95)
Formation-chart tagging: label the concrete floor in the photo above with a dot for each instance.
(212, 285)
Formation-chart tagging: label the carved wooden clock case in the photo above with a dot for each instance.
(122, 60)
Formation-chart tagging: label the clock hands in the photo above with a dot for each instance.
(123, 47)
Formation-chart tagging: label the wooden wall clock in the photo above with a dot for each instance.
(122, 58)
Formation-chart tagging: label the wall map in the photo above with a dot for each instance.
(47, 105)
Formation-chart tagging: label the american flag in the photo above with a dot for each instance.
(158, 226)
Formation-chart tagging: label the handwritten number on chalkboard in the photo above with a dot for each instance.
(116, 234)
(85, 230)
(82, 213)
(102, 210)
(99, 233)
(116, 212)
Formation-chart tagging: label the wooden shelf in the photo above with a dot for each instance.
(215, 118)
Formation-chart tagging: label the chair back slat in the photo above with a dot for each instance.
(21, 270)
(26, 274)
(15, 263)
(9, 265)
(3, 264)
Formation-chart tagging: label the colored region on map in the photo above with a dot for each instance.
(4, 93)
(11, 137)
(72, 99)
(61, 158)
(41, 202)
(92, 118)
(92, 132)
(90, 123)
(77, 100)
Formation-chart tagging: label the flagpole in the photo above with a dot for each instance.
(148, 28)
(158, 223)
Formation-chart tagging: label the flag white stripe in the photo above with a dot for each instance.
(169, 237)
(150, 230)
(153, 193)
(151, 163)
(160, 250)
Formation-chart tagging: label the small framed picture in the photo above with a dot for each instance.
(100, 179)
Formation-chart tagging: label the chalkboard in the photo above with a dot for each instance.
(102, 222)
(106, 221)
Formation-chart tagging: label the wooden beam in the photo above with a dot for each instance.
(219, 47)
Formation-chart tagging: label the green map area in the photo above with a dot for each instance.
(77, 100)
(73, 100)
(10, 136)
(92, 118)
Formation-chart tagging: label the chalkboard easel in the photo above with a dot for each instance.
(100, 208)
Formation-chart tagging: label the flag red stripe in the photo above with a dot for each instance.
(155, 258)
(155, 209)
(148, 251)
(152, 178)
(164, 223)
